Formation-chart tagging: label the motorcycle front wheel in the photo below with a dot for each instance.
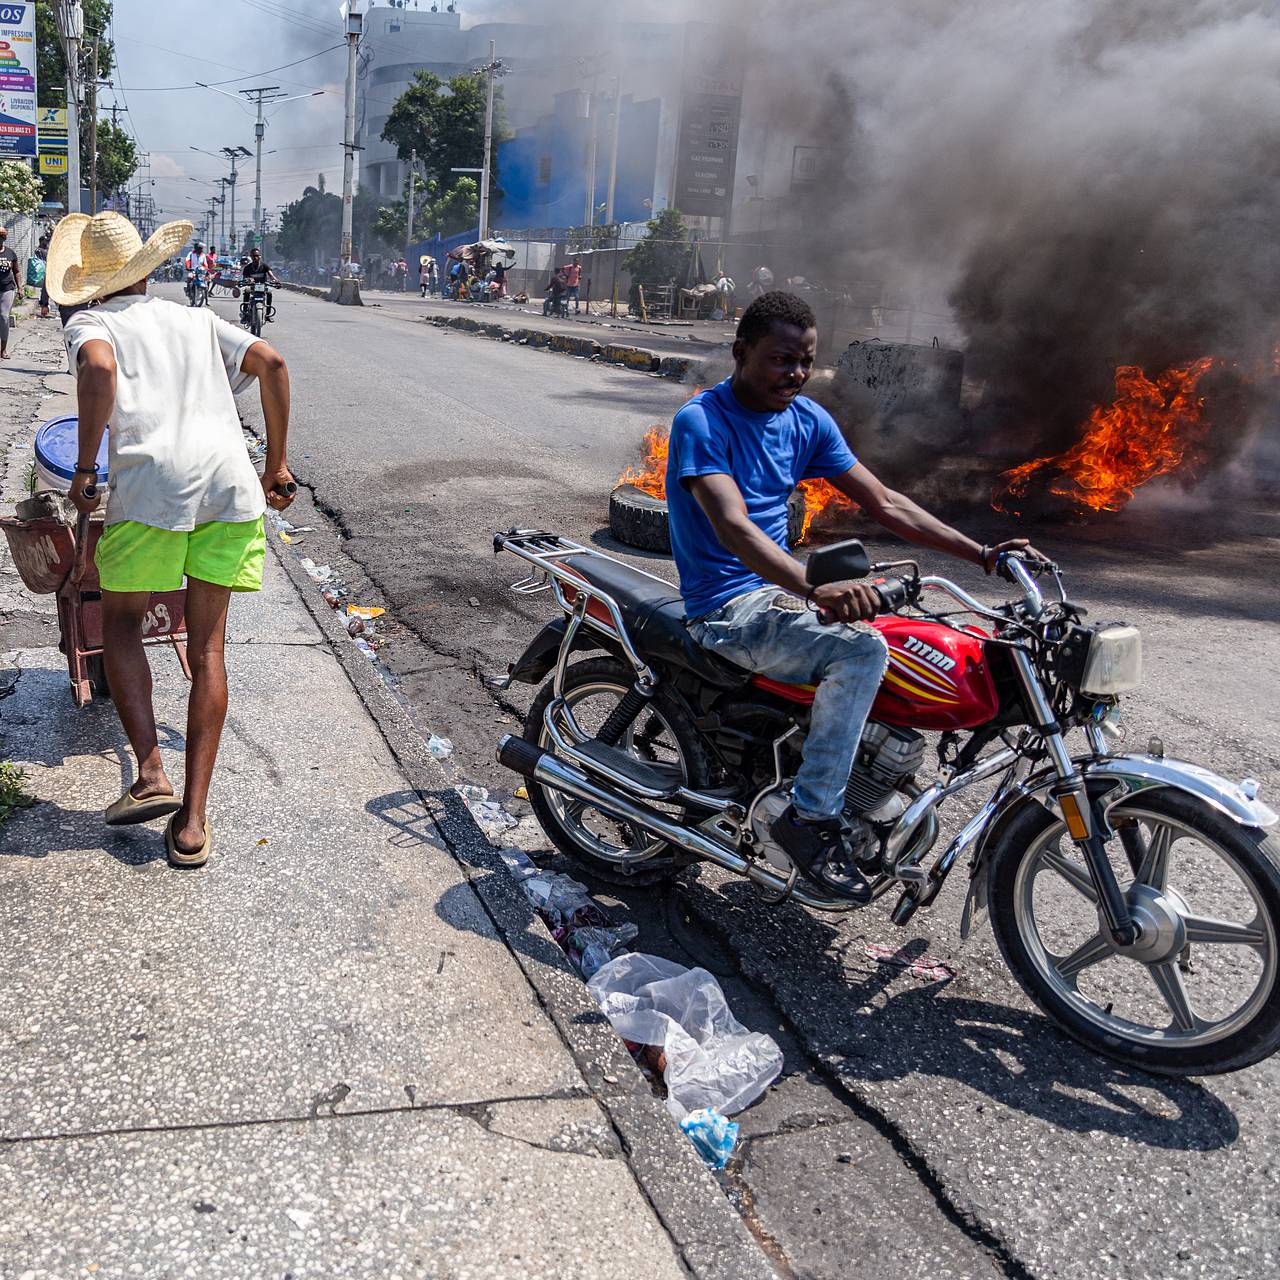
(1199, 992)
(255, 323)
(607, 848)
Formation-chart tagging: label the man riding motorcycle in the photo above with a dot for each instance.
(737, 451)
(201, 268)
(256, 271)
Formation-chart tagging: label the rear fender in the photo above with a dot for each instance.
(536, 662)
(1112, 779)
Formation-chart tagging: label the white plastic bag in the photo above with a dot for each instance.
(713, 1061)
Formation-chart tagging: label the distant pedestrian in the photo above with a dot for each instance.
(10, 279)
(554, 304)
(500, 277)
(724, 296)
(41, 253)
(572, 286)
(433, 276)
(761, 282)
(424, 275)
(184, 500)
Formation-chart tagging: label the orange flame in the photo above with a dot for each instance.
(1154, 426)
(650, 475)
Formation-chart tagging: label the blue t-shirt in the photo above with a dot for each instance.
(767, 454)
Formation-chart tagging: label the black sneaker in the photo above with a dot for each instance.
(821, 852)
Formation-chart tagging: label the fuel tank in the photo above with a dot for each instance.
(936, 679)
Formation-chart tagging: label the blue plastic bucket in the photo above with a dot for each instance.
(57, 447)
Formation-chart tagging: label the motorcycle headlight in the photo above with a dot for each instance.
(1113, 663)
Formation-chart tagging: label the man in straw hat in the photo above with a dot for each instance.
(184, 498)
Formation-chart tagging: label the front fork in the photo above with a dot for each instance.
(1085, 825)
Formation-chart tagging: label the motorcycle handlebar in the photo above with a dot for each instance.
(893, 593)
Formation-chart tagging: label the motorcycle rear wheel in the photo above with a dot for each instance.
(604, 848)
(1199, 994)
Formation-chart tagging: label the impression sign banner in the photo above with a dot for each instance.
(711, 109)
(17, 80)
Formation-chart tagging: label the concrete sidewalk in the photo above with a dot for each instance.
(320, 1056)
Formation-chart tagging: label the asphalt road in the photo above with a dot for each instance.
(418, 444)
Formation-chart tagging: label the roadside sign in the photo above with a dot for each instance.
(711, 106)
(53, 162)
(51, 125)
(17, 80)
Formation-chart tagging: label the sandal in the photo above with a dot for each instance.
(183, 857)
(129, 810)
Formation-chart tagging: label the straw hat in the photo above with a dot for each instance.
(92, 257)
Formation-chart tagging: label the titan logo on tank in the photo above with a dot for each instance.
(931, 655)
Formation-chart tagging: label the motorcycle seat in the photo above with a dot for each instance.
(653, 612)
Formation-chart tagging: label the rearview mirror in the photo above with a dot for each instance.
(840, 562)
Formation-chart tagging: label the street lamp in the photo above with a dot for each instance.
(234, 155)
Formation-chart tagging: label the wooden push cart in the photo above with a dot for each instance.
(55, 558)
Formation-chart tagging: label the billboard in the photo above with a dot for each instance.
(51, 126)
(711, 107)
(17, 80)
(54, 163)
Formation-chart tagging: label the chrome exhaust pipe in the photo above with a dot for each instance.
(539, 765)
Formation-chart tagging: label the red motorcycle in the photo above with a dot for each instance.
(1135, 898)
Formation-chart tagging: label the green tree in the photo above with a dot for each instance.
(435, 213)
(443, 122)
(661, 256)
(311, 227)
(51, 66)
(117, 158)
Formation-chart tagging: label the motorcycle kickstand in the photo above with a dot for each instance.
(776, 899)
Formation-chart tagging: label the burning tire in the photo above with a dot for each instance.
(640, 520)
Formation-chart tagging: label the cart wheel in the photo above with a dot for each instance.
(96, 669)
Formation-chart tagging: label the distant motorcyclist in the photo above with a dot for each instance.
(256, 272)
(200, 267)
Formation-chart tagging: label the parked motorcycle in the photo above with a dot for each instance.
(1136, 898)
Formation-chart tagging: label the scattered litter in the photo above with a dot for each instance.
(487, 813)
(263, 841)
(926, 968)
(365, 611)
(713, 1136)
(331, 597)
(712, 1060)
(474, 602)
(301, 1218)
(284, 537)
(317, 572)
(366, 648)
(521, 793)
(593, 946)
(561, 901)
(439, 747)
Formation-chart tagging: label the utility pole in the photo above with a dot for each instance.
(413, 185)
(264, 93)
(492, 70)
(613, 153)
(235, 154)
(70, 20)
(93, 128)
(353, 17)
(224, 183)
(592, 149)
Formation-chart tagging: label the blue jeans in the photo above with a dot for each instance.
(847, 664)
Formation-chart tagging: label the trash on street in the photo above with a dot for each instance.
(713, 1136)
(712, 1059)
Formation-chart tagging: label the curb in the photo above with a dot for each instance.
(312, 290)
(706, 1230)
(638, 359)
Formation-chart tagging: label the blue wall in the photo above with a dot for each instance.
(556, 149)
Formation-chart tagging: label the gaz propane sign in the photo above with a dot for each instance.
(17, 80)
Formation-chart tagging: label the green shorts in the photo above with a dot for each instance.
(136, 557)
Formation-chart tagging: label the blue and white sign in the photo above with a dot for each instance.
(17, 80)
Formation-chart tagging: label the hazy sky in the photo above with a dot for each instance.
(163, 45)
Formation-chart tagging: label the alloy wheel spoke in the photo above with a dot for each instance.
(1231, 932)
(1154, 869)
(1092, 951)
(1073, 873)
(1168, 979)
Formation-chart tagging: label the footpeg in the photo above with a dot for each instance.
(912, 874)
